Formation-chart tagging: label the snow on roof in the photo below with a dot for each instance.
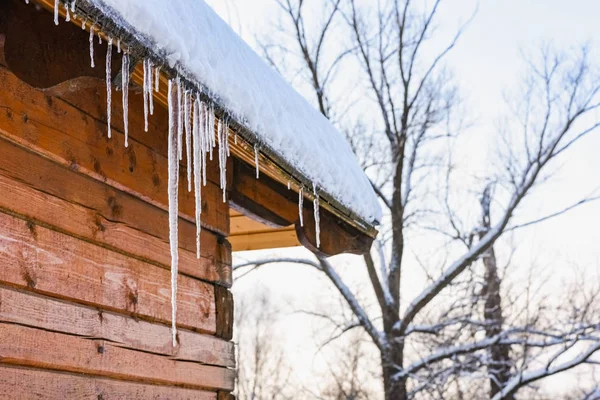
(195, 41)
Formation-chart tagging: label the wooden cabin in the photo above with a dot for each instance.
(85, 288)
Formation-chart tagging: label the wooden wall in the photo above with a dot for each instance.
(84, 255)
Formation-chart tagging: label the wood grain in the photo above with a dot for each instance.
(29, 309)
(57, 130)
(102, 214)
(43, 349)
(21, 383)
(49, 262)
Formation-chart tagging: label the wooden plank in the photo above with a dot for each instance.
(61, 132)
(31, 347)
(104, 215)
(224, 311)
(48, 262)
(241, 224)
(21, 383)
(19, 307)
(275, 239)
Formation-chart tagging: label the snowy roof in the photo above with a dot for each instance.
(200, 46)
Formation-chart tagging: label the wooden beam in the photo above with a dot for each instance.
(31, 347)
(23, 383)
(29, 309)
(267, 200)
(274, 239)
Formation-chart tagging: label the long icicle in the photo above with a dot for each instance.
(173, 206)
(67, 13)
(179, 119)
(109, 84)
(92, 46)
(197, 174)
(317, 215)
(188, 137)
(145, 95)
(125, 90)
(301, 206)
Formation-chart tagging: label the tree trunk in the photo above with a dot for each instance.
(395, 389)
(500, 364)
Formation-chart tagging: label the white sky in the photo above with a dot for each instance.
(486, 62)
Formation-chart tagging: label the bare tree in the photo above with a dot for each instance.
(425, 348)
(262, 370)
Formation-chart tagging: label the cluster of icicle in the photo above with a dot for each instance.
(191, 121)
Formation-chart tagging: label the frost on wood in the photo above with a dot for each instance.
(108, 85)
(92, 46)
(125, 90)
(317, 216)
(173, 188)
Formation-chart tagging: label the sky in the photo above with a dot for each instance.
(487, 64)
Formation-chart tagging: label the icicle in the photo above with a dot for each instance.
(222, 156)
(145, 89)
(83, 24)
(108, 84)
(73, 5)
(256, 160)
(173, 209)
(204, 140)
(188, 137)
(157, 79)
(99, 38)
(235, 138)
(56, 4)
(150, 96)
(179, 120)
(67, 13)
(211, 130)
(197, 177)
(26, 1)
(119, 46)
(226, 127)
(289, 186)
(301, 206)
(317, 216)
(125, 90)
(92, 46)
